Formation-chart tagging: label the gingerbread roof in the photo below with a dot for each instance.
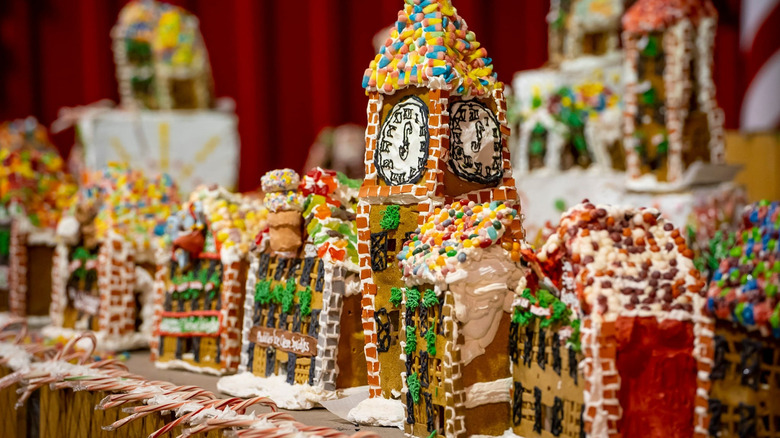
(744, 289)
(130, 204)
(622, 259)
(430, 45)
(454, 234)
(655, 15)
(329, 215)
(234, 219)
(33, 181)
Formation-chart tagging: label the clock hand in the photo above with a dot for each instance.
(404, 150)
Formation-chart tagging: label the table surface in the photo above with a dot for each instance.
(139, 363)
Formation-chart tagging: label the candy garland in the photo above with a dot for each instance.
(452, 233)
(329, 211)
(130, 204)
(431, 41)
(33, 181)
(744, 289)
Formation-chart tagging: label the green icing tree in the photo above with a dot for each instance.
(396, 295)
(430, 341)
(304, 298)
(412, 298)
(411, 340)
(288, 295)
(413, 383)
(430, 299)
(263, 291)
(391, 217)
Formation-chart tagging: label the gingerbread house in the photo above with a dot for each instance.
(34, 189)
(161, 60)
(671, 116)
(199, 281)
(302, 337)
(436, 134)
(645, 336)
(745, 371)
(583, 27)
(461, 268)
(103, 264)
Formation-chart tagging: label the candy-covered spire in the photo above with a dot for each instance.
(430, 45)
(655, 15)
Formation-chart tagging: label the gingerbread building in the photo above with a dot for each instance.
(583, 27)
(671, 117)
(743, 298)
(199, 281)
(646, 339)
(302, 335)
(436, 134)
(161, 60)
(34, 189)
(103, 264)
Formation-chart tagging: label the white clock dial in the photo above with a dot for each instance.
(402, 146)
(475, 143)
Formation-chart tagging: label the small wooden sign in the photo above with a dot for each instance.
(297, 343)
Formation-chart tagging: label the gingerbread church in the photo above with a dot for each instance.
(437, 134)
(34, 190)
(200, 272)
(161, 60)
(103, 265)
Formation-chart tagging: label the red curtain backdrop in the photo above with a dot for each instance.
(293, 67)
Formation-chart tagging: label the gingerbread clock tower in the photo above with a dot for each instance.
(436, 133)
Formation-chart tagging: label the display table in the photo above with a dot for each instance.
(139, 363)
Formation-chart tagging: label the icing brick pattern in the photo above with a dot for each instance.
(326, 369)
(369, 290)
(160, 276)
(59, 298)
(116, 274)
(232, 300)
(372, 131)
(602, 382)
(17, 281)
(704, 353)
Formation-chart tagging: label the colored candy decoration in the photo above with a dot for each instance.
(744, 287)
(280, 180)
(33, 181)
(431, 44)
(453, 233)
(283, 201)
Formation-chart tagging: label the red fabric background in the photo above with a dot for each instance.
(293, 67)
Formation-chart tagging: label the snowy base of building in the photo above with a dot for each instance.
(378, 412)
(176, 364)
(286, 396)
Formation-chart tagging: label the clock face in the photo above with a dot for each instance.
(402, 147)
(475, 143)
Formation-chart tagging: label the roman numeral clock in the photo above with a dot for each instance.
(475, 143)
(402, 150)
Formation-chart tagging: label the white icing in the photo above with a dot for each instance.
(378, 411)
(286, 396)
(482, 292)
(68, 230)
(174, 364)
(483, 393)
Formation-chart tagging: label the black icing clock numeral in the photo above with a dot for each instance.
(402, 151)
(474, 129)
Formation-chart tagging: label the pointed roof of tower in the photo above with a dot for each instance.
(653, 15)
(431, 46)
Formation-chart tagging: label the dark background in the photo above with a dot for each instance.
(292, 66)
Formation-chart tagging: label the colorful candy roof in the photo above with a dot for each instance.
(429, 44)
(33, 180)
(620, 259)
(329, 214)
(744, 288)
(171, 31)
(450, 236)
(655, 15)
(233, 219)
(130, 204)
